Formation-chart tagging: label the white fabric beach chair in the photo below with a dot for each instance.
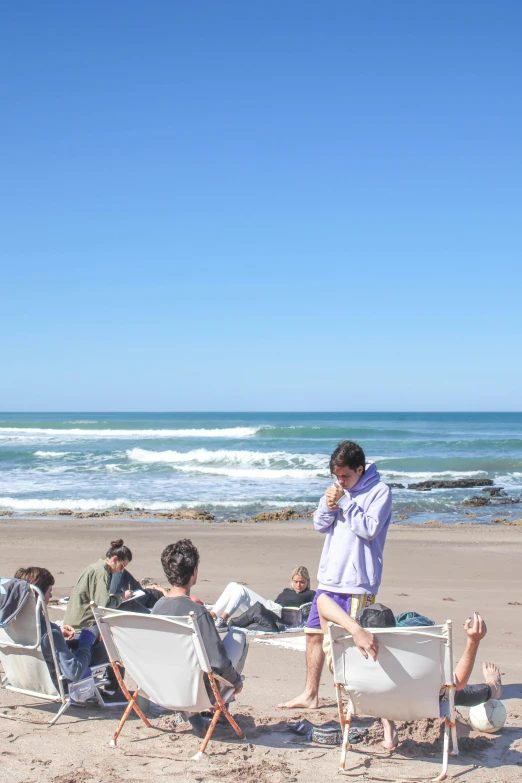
(404, 683)
(167, 659)
(26, 670)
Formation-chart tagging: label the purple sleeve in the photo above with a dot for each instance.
(367, 524)
(323, 517)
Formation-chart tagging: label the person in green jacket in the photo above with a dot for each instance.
(107, 583)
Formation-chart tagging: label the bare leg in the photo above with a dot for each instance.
(493, 679)
(391, 739)
(308, 699)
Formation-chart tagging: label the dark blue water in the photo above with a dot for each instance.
(239, 464)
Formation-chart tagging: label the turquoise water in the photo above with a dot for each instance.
(239, 464)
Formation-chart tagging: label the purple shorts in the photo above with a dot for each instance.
(352, 603)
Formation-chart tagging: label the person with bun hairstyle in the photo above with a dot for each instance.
(107, 583)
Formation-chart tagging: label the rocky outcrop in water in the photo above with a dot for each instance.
(395, 485)
(425, 486)
(476, 500)
(495, 492)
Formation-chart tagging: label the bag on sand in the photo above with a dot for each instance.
(258, 618)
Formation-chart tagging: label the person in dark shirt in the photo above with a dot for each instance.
(88, 650)
(227, 657)
(239, 597)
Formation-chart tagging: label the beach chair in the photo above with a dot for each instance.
(404, 683)
(166, 657)
(26, 670)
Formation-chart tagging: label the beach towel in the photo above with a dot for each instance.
(13, 595)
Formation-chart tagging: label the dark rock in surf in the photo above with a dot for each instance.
(396, 486)
(495, 491)
(425, 486)
(476, 500)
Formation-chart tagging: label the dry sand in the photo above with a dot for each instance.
(442, 572)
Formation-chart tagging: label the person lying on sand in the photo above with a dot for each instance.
(237, 597)
(75, 655)
(465, 695)
(227, 657)
(108, 583)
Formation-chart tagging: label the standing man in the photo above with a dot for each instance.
(354, 514)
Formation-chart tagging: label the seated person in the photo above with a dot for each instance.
(465, 695)
(75, 655)
(227, 657)
(108, 583)
(236, 596)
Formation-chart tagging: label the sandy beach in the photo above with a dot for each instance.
(443, 572)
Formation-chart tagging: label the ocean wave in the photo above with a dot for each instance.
(112, 504)
(37, 433)
(254, 473)
(50, 454)
(233, 458)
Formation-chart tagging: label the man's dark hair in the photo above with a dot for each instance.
(179, 562)
(40, 577)
(347, 454)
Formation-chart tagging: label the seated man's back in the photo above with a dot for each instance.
(182, 606)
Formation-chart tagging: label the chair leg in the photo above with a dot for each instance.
(128, 696)
(208, 735)
(128, 710)
(346, 742)
(443, 775)
(232, 722)
(65, 705)
(219, 708)
(339, 695)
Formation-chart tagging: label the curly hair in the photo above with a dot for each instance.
(179, 562)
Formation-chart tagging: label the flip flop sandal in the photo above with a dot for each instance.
(302, 727)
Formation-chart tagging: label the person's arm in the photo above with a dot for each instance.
(366, 524)
(99, 590)
(475, 631)
(324, 517)
(329, 611)
(72, 664)
(217, 655)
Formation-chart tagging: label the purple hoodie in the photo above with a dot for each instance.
(351, 561)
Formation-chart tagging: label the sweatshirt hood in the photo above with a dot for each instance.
(369, 479)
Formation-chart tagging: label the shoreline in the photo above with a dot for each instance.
(262, 518)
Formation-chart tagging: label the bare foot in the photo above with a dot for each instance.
(492, 677)
(391, 739)
(303, 702)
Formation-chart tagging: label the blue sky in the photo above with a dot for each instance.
(261, 206)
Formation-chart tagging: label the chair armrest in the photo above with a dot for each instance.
(225, 682)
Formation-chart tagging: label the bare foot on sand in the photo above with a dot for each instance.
(391, 739)
(303, 702)
(492, 677)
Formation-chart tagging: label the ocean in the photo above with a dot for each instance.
(236, 465)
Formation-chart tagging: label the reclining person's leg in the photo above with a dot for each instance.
(235, 597)
(236, 645)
